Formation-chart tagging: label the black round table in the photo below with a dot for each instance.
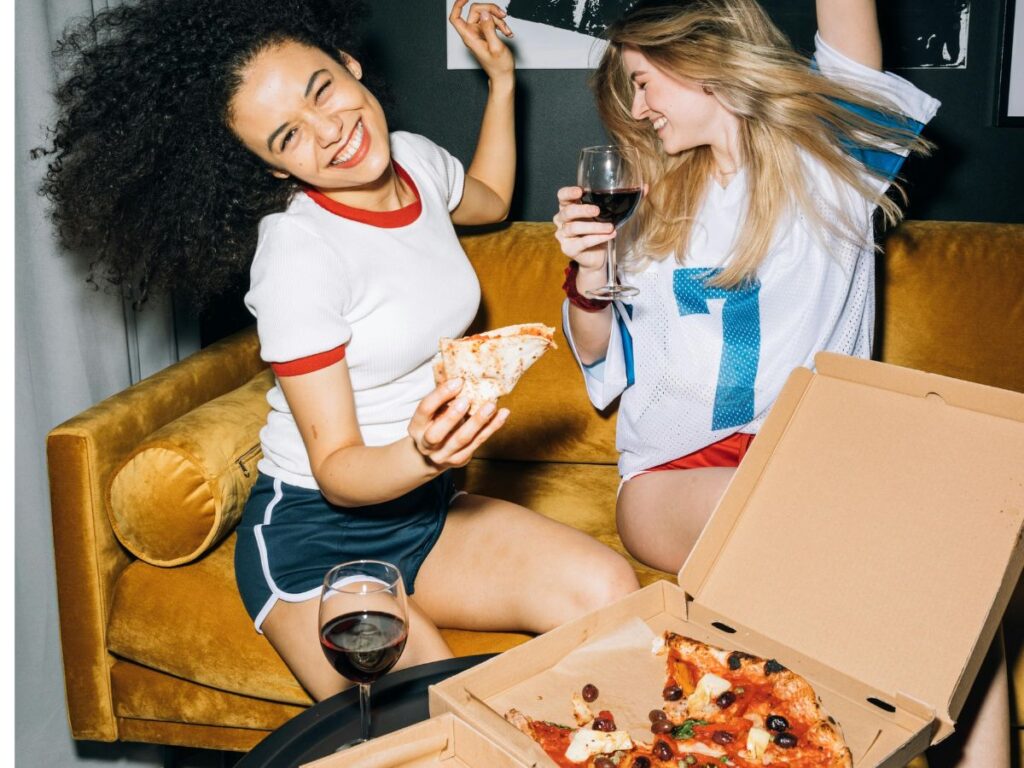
(397, 700)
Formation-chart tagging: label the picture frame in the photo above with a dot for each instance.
(549, 34)
(1010, 96)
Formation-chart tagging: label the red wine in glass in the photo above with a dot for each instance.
(363, 625)
(610, 179)
(362, 646)
(616, 205)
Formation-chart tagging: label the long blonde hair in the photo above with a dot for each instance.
(787, 111)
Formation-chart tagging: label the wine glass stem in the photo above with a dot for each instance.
(364, 711)
(610, 262)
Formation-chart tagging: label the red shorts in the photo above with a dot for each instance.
(727, 452)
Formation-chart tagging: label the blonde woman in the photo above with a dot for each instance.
(753, 250)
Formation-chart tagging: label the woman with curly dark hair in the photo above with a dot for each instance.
(197, 139)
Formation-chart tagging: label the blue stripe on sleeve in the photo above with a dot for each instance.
(879, 161)
(627, 344)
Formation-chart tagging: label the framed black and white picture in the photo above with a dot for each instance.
(566, 34)
(925, 34)
(549, 34)
(1010, 101)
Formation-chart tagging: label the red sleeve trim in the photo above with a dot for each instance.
(309, 364)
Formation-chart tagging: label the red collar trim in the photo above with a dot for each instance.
(385, 219)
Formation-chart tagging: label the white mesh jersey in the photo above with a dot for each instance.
(695, 364)
(320, 280)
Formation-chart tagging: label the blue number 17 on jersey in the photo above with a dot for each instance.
(741, 345)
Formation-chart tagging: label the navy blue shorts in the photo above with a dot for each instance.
(289, 537)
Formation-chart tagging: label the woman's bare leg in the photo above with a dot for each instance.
(499, 566)
(496, 566)
(661, 514)
(292, 629)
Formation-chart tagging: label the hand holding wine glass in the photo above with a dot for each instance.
(610, 179)
(363, 625)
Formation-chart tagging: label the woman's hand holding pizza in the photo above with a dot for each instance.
(443, 432)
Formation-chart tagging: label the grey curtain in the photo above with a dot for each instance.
(73, 347)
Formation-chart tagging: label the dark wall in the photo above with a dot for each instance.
(975, 174)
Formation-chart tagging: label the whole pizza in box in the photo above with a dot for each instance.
(718, 708)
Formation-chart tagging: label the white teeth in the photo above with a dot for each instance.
(354, 143)
(660, 123)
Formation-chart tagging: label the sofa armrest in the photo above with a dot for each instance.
(81, 455)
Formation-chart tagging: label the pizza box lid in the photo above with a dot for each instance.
(445, 741)
(875, 528)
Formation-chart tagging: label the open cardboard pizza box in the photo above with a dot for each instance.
(443, 741)
(870, 541)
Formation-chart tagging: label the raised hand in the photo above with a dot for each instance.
(479, 31)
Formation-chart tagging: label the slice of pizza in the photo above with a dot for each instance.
(491, 363)
(718, 708)
(590, 746)
(745, 709)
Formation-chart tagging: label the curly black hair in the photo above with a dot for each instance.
(145, 177)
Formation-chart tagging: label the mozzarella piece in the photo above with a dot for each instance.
(586, 744)
(714, 685)
(757, 741)
(708, 688)
(580, 711)
(722, 656)
(755, 718)
(696, 748)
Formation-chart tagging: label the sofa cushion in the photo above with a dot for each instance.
(214, 641)
(551, 418)
(145, 694)
(579, 495)
(183, 489)
(951, 301)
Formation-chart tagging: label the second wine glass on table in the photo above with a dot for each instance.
(610, 179)
(363, 625)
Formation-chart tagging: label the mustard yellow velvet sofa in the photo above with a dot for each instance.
(157, 646)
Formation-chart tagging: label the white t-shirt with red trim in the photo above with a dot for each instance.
(378, 289)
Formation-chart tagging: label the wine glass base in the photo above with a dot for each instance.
(350, 744)
(612, 292)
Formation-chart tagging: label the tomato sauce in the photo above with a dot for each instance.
(554, 740)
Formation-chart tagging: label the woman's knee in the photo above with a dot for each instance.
(426, 643)
(599, 582)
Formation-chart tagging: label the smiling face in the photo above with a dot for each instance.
(680, 111)
(307, 115)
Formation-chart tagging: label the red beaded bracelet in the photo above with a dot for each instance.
(575, 297)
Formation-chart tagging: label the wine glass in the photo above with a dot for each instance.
(363, 625)
(610, 178)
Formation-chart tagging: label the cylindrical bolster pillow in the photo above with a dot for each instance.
(183, 489)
